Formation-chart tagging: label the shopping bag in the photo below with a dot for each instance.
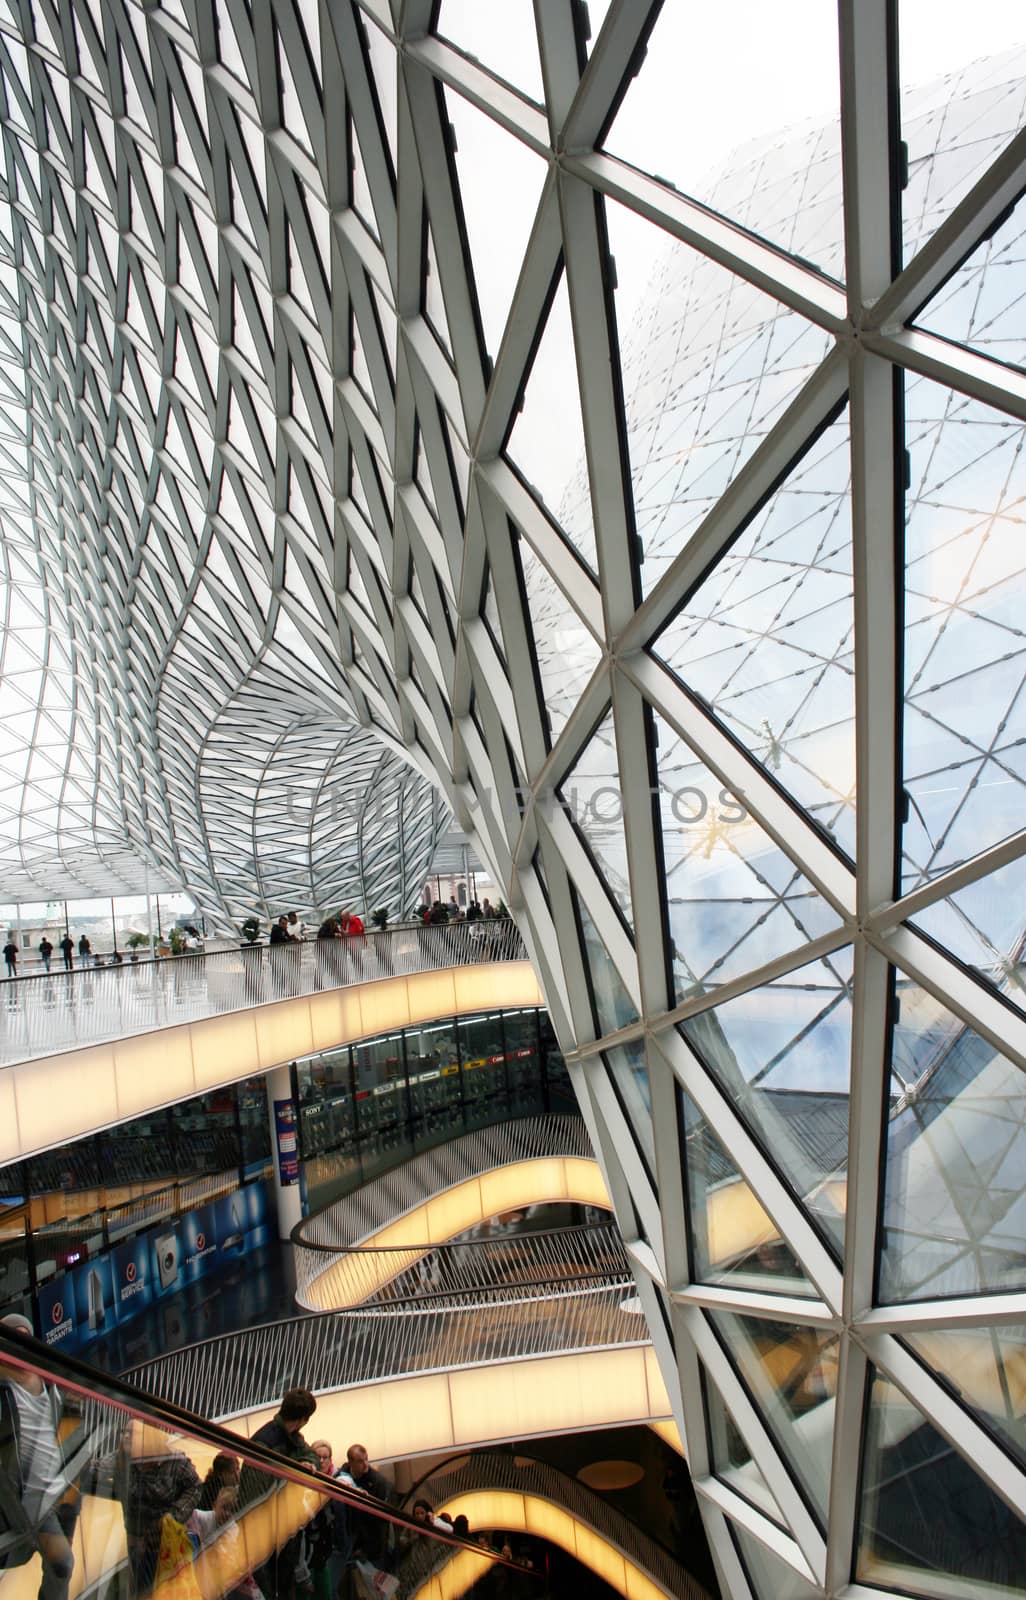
(376, 1584)
(174, 1577)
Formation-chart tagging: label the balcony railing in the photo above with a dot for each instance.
(339, 1349)
(332, 1234)
(56, 1011)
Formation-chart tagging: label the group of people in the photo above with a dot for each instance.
(440, 912)
(45, 947)
(67, 947)
(171, 1515)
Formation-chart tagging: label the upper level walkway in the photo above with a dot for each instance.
(93, 1047)
(53, 1011)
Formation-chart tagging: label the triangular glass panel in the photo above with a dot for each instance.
(421, 475)
(490, 162)
(511, 52)
(434, 303)
(965, 650)
(361, 200)
(733, 1240)
(628, 1068)
(383, 70)
(790, 1372)
(783, 1052)
(358, 360)
(929, 1524)
(731, 1458)
(591, 790)
(709, 363)
(698, 116)
(490, 614)
(769, 1577)
(954, 1208)
(292, 108)
(982, 926)
(734, 899)
(566, 652)
(957, 112)
(613, 1006)
(983, 304)
(766, 638)
(546, 443)
(983, 1366)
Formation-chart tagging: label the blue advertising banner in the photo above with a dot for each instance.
(56, 1301)
(199, 1242)
(132, 1272)
(288, 1147)
(231, 1225)
(166, 1257)
(258, 1214)
(95, 1306)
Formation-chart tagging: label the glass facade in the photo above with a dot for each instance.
(669, 520)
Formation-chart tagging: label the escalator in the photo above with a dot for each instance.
(106, 1491)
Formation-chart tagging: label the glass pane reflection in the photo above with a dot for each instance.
(734, 899)
(965, 657)
(782, 1053)
(709, 365)
(772, 1578)
(733, 1240)
(930, 1525)
(986, 1367)
(955, 1177)
(791, 1374)
(731, 1457)
(766, 638)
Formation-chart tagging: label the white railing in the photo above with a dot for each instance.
(239, 1372)
(56, 1011)
(330, 1234)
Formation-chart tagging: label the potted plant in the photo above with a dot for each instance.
(135, 942)
(251, 930)
(380, 918)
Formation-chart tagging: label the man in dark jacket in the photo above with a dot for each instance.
(371, 1535)
(282, 1435)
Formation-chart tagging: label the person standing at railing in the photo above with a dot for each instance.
(351, 930)
(85, 951)
(67, 948)
(45, 952)
(284, 957)
(11, 958)
(326, 956)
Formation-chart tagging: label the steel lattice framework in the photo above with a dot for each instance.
(708, 623)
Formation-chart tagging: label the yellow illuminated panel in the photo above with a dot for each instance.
(351, 1278)
(47, 1102)
(484, 1405)
(527, 1513)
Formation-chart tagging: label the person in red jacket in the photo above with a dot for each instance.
(351, 932)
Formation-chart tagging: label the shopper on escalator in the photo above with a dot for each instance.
(33, 1476)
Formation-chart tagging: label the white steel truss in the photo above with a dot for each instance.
(320, 402)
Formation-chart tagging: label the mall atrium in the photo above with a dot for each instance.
(600, 429)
